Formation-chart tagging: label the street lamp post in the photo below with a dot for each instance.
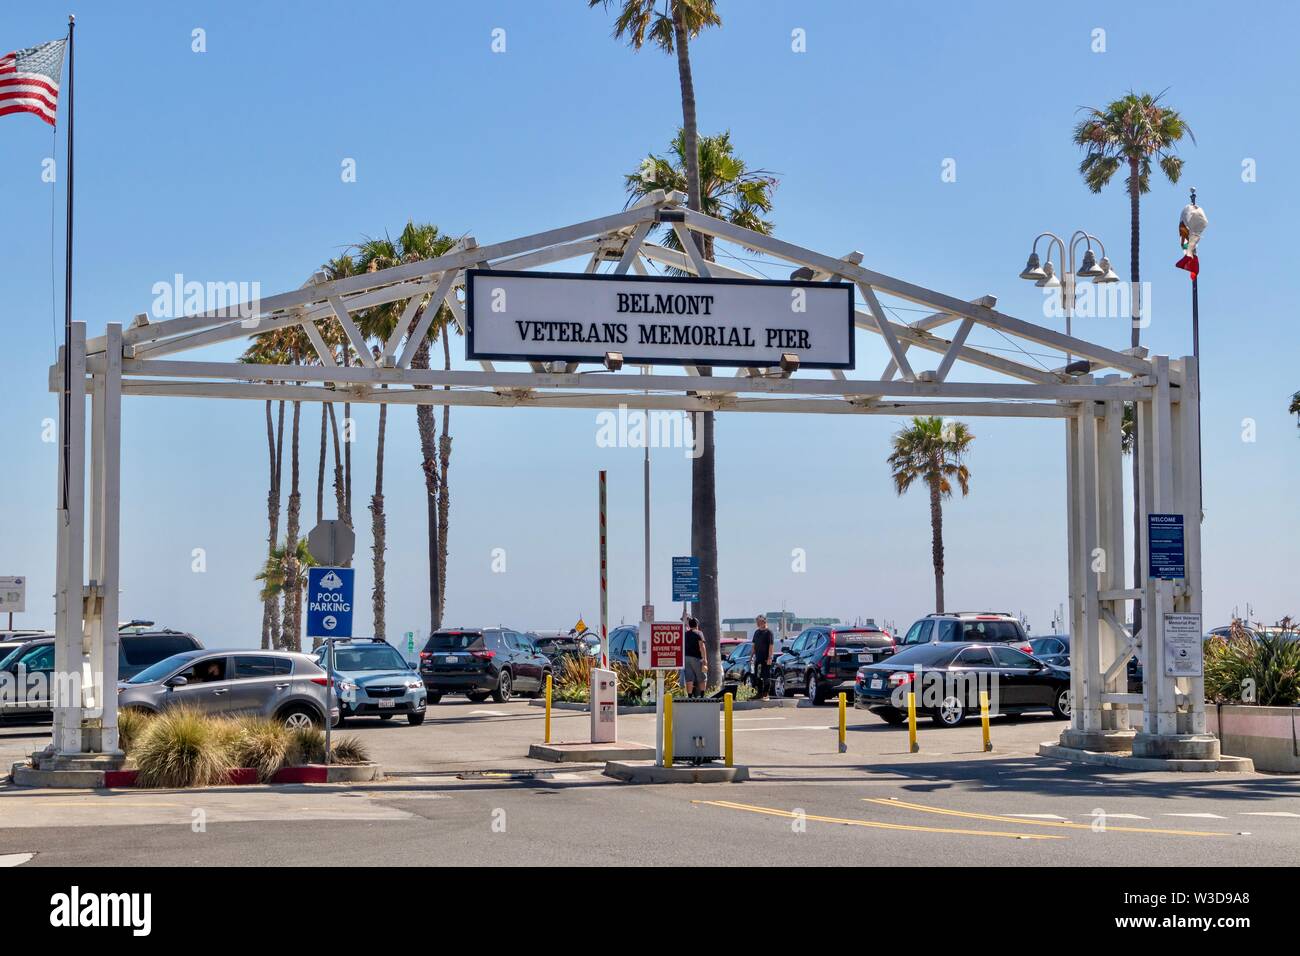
(1044, 275)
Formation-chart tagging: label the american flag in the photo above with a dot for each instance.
(29, 80)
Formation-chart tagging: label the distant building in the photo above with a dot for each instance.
(784, 625)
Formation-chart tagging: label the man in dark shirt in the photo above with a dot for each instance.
(694, 674)
(762, 657)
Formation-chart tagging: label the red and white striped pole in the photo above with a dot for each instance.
(604, 581)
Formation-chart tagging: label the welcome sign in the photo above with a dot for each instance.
(553, 316)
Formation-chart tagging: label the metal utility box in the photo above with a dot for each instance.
(604, 706)
(696, 734)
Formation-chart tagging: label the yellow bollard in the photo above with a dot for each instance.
(911, 722)
(726, 728)
(844, 722)
(668, 730)
(984, 719)
(548, 709)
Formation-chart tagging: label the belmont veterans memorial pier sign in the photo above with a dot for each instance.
(553, 316)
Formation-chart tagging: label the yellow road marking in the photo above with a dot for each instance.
(873, 824)
(995, 818)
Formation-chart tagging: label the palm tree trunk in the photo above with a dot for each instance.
(274, 601)
(428, 430)
(1135, 298)
(340, 495)
(936, 543)
(704, 504)
(378, 528)
(320, 468)
(292, 636)
(444, 489)
(272, 512)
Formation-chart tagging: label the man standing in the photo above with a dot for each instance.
(694, 673)
(762, 657)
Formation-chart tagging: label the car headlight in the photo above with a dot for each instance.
(347, 686)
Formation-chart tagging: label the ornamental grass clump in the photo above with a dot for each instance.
(182, 747)
(1260, 667)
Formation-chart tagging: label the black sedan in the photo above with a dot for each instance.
(948, 678)
(1051, 649)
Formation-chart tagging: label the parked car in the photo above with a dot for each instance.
(982, 626)
(823, 660)
(283, 685)
(559, 646)
(479, 662)
(622, 644)
(135, 652)
(1051, 649)
(738, 665)
(372, 679)
(1023, 684)
(12, 640)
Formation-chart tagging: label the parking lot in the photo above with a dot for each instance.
(460, 789)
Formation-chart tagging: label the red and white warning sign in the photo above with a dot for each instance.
(662, 646)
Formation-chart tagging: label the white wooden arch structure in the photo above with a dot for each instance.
(137, 361)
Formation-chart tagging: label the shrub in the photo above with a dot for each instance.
(306, 745)
(182, 747)
(259, 743)
(1262, 669)
(131, 724)
(349, 750)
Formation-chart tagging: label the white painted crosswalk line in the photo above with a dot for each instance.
(15, 859)
(1199, 816)
(490, 713)
(1119, 816)
(1270, 813)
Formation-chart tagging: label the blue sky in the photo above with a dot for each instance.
(225, 166)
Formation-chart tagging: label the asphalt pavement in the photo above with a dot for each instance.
(461, 790)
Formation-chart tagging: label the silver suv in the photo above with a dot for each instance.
(988, 627)
(282, 685)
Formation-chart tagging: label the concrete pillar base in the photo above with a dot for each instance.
(1176, 746)
(1098, 741)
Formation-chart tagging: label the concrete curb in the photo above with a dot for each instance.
(623, 711)
(647, 772)
(584, 752)
(1126, 761)
(23, 775)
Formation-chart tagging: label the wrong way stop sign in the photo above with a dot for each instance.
(661, 646)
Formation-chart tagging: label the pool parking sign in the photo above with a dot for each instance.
(329, 601)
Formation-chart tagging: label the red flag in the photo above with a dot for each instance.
(1191, 263)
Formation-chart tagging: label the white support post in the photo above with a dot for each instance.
(1088, 648)
(109, 481)
(1073, 567)
(1114, 642)
(1188, 488)
(66, 735)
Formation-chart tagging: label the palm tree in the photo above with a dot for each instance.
(933, 451)
(265, 351)
(733, 192)
(419, 241)
(1295, 407)
(671, 27)
(275, 572)
(1129, 133)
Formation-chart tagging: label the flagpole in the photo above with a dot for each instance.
(1196, 353)
(67, 288)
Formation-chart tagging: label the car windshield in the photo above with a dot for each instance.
(8, 655)
(163, 668)
(374, 657)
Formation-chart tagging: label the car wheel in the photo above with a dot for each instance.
(950, 712)
(814, 696)
(435, 696)
(339, 722)
(778, 687)
(541, 688)
(477, 696)
(894, 717)
(299, 718)
(502, 694)
(1063, 703)
(415, 718)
